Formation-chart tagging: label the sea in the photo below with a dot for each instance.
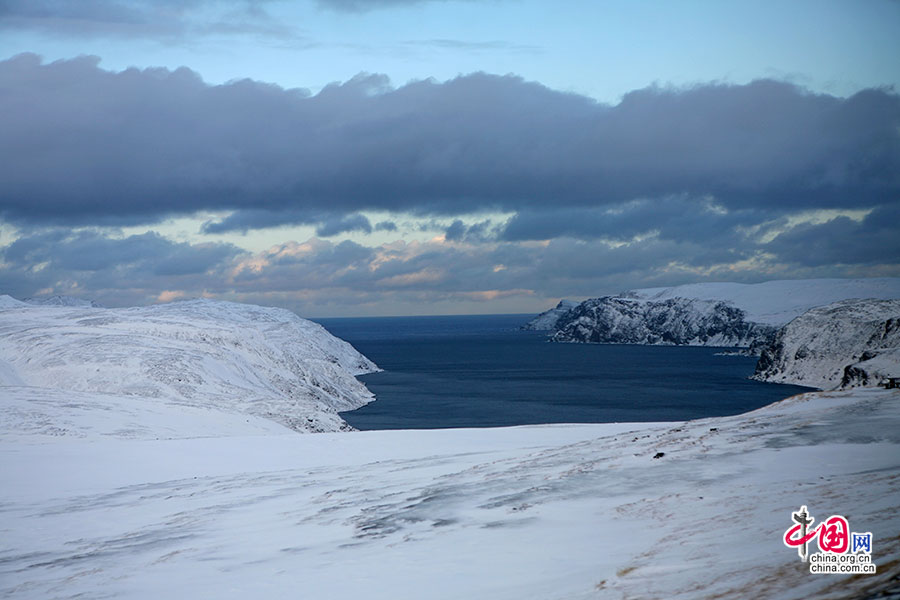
(484, 371)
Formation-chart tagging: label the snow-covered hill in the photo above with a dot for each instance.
(777, 302)
(676, 321)
(677, 511)
(849, 343)
(204, 354)
(62, 301)
(132, 469)
(712, 314)
(547, 319)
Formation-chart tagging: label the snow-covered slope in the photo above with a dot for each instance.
(849, 343)
(676, 321)
(7, 301)
(777, 302)
(238, 358)
(547, 319)
(567, 512)
(131, 469)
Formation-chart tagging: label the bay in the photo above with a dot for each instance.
(483, 371)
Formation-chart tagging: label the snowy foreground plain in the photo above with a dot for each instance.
(124, 495)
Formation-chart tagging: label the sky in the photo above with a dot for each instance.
(408, 157)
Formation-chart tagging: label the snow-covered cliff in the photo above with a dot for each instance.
(677, 321)
(777, 302)
(547, 319)
(238, 358)
(845, 344)
(710, 314)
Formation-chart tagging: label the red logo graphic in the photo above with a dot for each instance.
(834, 539)
(834, 533)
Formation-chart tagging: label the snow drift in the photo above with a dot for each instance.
(240, 358)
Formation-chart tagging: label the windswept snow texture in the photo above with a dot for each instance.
(547, 319)
(545, 513)
(849, 343)
(677, 321)
(203, 354)
(132, 469)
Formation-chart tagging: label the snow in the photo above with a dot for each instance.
(7, 301)
(563, 511)
(126, 485)
(547, 319)
(777, 302)
(824, 347)
(62, 301)
(677, 321)
(708, 314)
(245, 359)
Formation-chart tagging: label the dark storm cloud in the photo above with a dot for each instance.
(107, 267)
(245, 220)
(346, 224)
(327, 224)
(478, 232)
(145, 268)
(80, 144)
(841, 240)
(673, 218)
(455, 231)
(167, 19)
(93, 251)
(385, 226)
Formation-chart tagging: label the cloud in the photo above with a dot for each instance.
(385, 226)
(327, 224)
(81, 145)
(676, 218)
(345, 224)
(368, 5)
(326, 277)
(477, 232)
(59, 258)
(841, 240)
(470, 46)
(455, 231)
(165, 19)
(712, 182)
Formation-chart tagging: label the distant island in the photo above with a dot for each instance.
(821, 333)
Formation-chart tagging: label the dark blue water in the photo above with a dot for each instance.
(482, 371)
